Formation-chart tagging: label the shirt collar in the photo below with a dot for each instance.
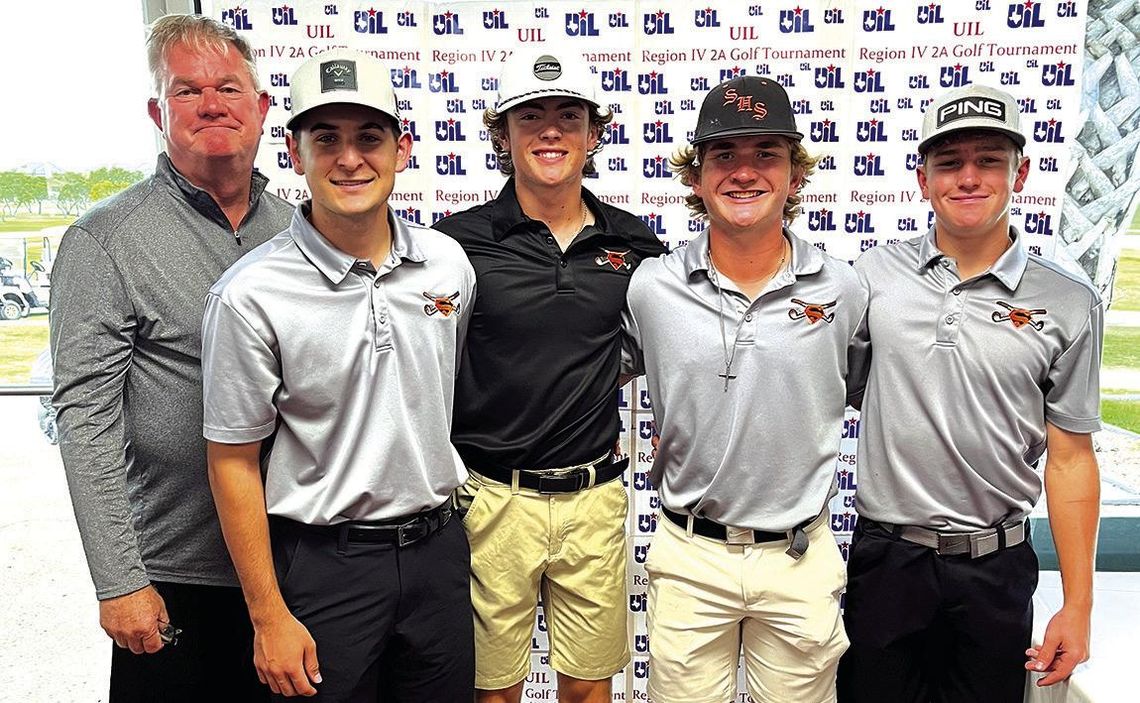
(1008, 269)
(806, 258)
(507, 214)
(335, 264)
(201, 200)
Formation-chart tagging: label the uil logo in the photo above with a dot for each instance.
(795, 21)
(446, 23)
(368, 22)
(283, 16)
(878, 20)
(829, 77)
(869, 81)
(1024, 15)
(495, 19)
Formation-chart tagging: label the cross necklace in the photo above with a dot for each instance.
(730, 354)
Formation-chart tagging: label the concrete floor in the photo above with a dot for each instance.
(51, 646)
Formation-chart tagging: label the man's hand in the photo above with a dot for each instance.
(285, 656)
(133, 620)
(1066, 644)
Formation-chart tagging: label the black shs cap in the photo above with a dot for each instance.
(744, 107)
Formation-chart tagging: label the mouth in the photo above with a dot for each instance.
(744, 194)
(350, 183)
(548, 154)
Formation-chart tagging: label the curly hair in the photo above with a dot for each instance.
(685, 163)
(496, 124)
(197, 32)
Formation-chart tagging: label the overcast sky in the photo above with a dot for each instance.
(77, 85)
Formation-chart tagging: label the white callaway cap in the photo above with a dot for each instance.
(342, 76)
(530, 74)
(971, 107)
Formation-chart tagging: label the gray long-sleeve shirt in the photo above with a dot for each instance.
(128, 290)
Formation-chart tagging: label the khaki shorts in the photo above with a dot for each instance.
(571, 547)
(707, 598)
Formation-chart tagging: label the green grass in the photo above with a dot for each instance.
(1121, 413)
(21, 341)
(1126, 287)
(1121, 347)
(34, 223)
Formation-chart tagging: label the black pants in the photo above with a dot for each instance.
(929, 628)
(213, 659)
(392, 624)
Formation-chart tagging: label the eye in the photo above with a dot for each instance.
(325, 138)
(183, 93)
(229, 90)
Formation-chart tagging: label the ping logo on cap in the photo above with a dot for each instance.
(547, 68)
(962, 108)
(338, 75)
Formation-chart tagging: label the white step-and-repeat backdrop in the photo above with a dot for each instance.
(860, 75)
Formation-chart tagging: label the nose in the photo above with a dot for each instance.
(968, 177)
(211, 103)
(551, 130)
(349, 158)
(745, 172)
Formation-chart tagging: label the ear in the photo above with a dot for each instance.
(920, 174)
(155, 111)
(263, 105)
(593, 136)
(403, 151)
(1021, 175)
(294, 153)
(695, 180)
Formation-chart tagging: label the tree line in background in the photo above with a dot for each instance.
(64, 193)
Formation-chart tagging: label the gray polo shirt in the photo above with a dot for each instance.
(126, 322)
(353, 368)
(762, 454)
(963, 377)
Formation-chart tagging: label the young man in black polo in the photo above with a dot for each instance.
(536, 399)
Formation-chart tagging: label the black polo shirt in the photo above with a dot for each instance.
(537, 386)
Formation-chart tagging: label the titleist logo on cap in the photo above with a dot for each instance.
(547, 68)
(962, 108)
(338, 75)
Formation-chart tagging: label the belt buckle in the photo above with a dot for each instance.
(738, 535)
(579, 477)
(983, 544)
(411, 532)
(952, 544)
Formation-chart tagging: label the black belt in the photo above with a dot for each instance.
(401, 531)
(570, 481)
(976, 544)
(714, 530)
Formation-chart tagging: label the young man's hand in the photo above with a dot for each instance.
(285, 656)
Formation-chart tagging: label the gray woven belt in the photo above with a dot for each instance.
(976, 544)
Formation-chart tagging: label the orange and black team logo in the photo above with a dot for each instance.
(613, 258)
(814, 312)
(443, 304)
(1018, 317)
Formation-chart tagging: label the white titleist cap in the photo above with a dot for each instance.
(342, 76)
(971, 107)
(529, 74)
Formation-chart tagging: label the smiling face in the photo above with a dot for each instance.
(349, 155)
(970, 180)
(549, 140)
(209, 109)
(744, 183)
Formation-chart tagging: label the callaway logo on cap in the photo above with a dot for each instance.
(338, 75)
(532, 74)
(971, 107)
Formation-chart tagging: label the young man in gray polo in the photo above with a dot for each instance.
(338, 341)
(743, 335)
(983, 355)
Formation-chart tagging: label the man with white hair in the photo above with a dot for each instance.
(126, 315)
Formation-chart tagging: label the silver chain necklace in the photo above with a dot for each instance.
(730, 354)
